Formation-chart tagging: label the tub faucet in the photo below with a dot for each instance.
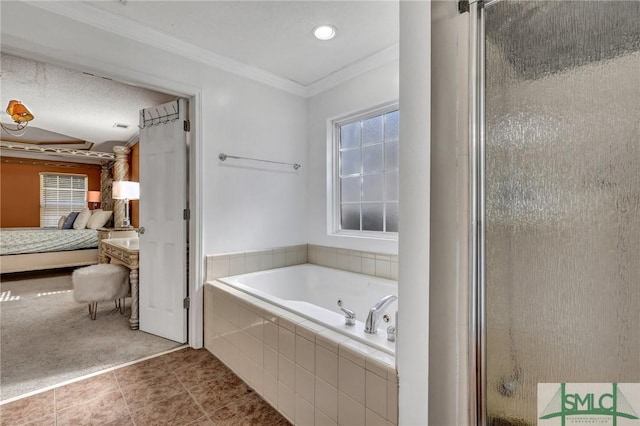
(349, 315)
(375, 314)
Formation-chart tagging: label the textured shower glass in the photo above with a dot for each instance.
(562, 155)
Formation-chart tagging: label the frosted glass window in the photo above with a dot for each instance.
(61, 194)
(391, 217)
(350, 162)
(350, 136)
(391, 126)
(391, 155)
(350, 189)
(350, 217)
(373, 187)
(372, 130)
(562, 206)
(372, 217)
(391, 186)
(372, 160)
(367, 178)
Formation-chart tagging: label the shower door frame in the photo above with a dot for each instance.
(477, 288)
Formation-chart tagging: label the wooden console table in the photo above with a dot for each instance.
(125, 251)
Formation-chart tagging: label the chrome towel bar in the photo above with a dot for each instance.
(223, 157)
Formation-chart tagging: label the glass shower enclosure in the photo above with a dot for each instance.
(557, 199)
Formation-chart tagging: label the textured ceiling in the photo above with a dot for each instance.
(71, 105)
(273, 36)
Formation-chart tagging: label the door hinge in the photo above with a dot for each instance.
(187, 126)
(186, 302)
(186, 214)
(463, 6)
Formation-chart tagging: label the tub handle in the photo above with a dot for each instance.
(391, 333)
(349, 315)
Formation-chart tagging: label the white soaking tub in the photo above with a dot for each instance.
(313, 291)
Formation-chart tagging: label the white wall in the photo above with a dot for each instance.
(415, 181)
(449, 272)
(244, 207)
(365, 91)
(233, 208)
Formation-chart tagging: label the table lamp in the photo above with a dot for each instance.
(93, 197)
(125, 190)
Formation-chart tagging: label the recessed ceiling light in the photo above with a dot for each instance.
(325, 32)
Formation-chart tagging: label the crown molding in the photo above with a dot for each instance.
(125, 27)
(383, 57)
(56, 152)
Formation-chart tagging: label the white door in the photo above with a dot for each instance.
(163, 241)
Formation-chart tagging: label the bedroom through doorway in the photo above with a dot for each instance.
(46, 337)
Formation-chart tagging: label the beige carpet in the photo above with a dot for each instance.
(47, 338)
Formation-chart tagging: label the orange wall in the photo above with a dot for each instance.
(20, 189)
(134, 175)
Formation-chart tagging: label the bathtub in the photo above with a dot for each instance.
(281, 331)
(313, 291)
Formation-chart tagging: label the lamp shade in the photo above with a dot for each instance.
(93, 196)
(125, 190)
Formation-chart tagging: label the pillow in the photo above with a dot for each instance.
(61, 221)
(82, 219)
(99, 218)
(68, 222)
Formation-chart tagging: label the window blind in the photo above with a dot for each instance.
(61, 194)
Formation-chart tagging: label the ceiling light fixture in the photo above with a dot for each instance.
(325, 32)
(20, 114)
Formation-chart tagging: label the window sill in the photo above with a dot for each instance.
(366, 235)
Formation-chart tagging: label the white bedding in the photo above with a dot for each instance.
(43, 240)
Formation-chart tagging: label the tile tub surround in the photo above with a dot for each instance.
(226, 264)
(311, 375)
(376, 264)
(183, 387)
(363, 262)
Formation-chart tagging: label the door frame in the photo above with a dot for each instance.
(477, 288)
(195, 285)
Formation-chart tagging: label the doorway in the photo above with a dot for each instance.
(193, 252)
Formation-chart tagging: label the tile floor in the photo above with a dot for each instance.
(184, 387)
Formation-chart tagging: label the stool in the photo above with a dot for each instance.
(99, 283)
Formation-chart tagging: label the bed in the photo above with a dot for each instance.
(30, 249)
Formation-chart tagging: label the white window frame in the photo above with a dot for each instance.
(72, 207)
(333, 172)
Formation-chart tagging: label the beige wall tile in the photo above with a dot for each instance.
(376, 394)
(287, 343)
(270, 360)
(351, 380)
(305, 413)
(350, 412)
(286, 372)
(286, 401)
(326, 397)
(305, 353)
(327, 365)
(322, 420)
(305, 384)
(372, 419)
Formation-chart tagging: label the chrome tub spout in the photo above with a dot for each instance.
(376, 312)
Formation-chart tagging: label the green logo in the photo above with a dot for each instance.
(587, 404)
